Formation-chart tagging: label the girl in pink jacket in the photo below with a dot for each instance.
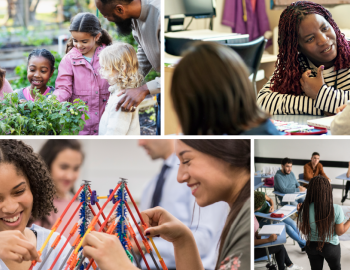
(5, 87)
(78, 72)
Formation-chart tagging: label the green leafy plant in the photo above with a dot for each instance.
(21, 72)
(44, 116)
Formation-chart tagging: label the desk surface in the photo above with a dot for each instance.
(300, 119)
(258, 185)
(263, 175)
(281, 239)
(343, 177)
(267, 215)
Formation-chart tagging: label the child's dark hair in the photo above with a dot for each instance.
(43, 53)
(2, 77)
(31, 166)
(88, 23)
(259, 199)
(286, 78)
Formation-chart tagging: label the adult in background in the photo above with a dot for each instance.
(163, 190)
(5, 87)
(314, 168)
(285, 181)
(322, 222)
(214, 170)
(63, 159)
(142, 18)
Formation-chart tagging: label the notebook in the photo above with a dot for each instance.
(324, 122)
(271, 229)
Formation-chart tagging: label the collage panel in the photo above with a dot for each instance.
(125, 204)
(268, 67)
(80, 67)
(301, 204)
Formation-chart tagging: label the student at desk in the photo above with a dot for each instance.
(322, 222)
(285, 181)
(312, 73)
(314, 168)
(264, 204)
(280, 252)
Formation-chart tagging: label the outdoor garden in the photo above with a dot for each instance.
(34, 24)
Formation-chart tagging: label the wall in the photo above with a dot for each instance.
(330, 150)
(107, 160)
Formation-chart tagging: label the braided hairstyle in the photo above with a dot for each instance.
(43, 53)
(287, 75)
(320, 194)
(31, 166)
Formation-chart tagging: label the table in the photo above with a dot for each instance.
(267, 215)
(298, 118)
(301, 195)
(344, 178)
(281, 239)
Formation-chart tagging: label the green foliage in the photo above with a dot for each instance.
(21, 72)
(44, 116)
(151, 112)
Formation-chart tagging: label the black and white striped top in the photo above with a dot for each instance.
(328, 98)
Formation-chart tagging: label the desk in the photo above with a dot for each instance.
(301, 195)
(267, 215)
(281, 239)
(171, 125)
(258, 185)
(303, 181)
(344, 178)
(263, 175)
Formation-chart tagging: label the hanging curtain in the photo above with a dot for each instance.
(246, 17)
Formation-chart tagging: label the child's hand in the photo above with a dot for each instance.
(16, 247)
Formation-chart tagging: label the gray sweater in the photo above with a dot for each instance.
(236, 248)
(286, 183)
(147, 33)
(42, 234)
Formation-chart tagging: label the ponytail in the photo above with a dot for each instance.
(88, 23)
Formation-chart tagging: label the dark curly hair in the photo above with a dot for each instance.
(287, 75)
(31, 166)
(43, 53)
(259, 199)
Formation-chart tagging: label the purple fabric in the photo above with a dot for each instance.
(257, 23)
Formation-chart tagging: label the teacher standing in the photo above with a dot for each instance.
(142, 18)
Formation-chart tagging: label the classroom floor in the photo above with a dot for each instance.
(301, 259)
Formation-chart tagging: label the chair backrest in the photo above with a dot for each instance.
(301, 176)
(251, 53)
(175, 46)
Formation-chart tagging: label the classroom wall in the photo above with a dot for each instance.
(330, 150)
(107, 160)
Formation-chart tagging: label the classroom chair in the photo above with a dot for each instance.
(301, 176)
(251, 53)
(263, 262)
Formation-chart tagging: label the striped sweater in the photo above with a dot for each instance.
(328, 99)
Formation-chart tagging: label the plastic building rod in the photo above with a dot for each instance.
(162, 263)
(58, 238)
(55, 226)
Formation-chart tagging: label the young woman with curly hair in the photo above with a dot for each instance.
(312, 73)
(322, 222)
(26, 190)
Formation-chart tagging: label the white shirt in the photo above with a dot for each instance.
(177, 199)
(115, 122)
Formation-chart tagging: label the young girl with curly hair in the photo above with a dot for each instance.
(26, 190)
(5, 87)
(120, 67)
(312, 73)
(78, 73)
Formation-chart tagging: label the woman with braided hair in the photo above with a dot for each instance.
(26, 190)
(312, 73)
(322, 222)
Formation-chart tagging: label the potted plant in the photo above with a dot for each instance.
(44, 116)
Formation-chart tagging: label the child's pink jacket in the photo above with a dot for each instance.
(77, 78)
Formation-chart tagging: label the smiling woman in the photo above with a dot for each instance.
(26, 190)
(312, 73)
